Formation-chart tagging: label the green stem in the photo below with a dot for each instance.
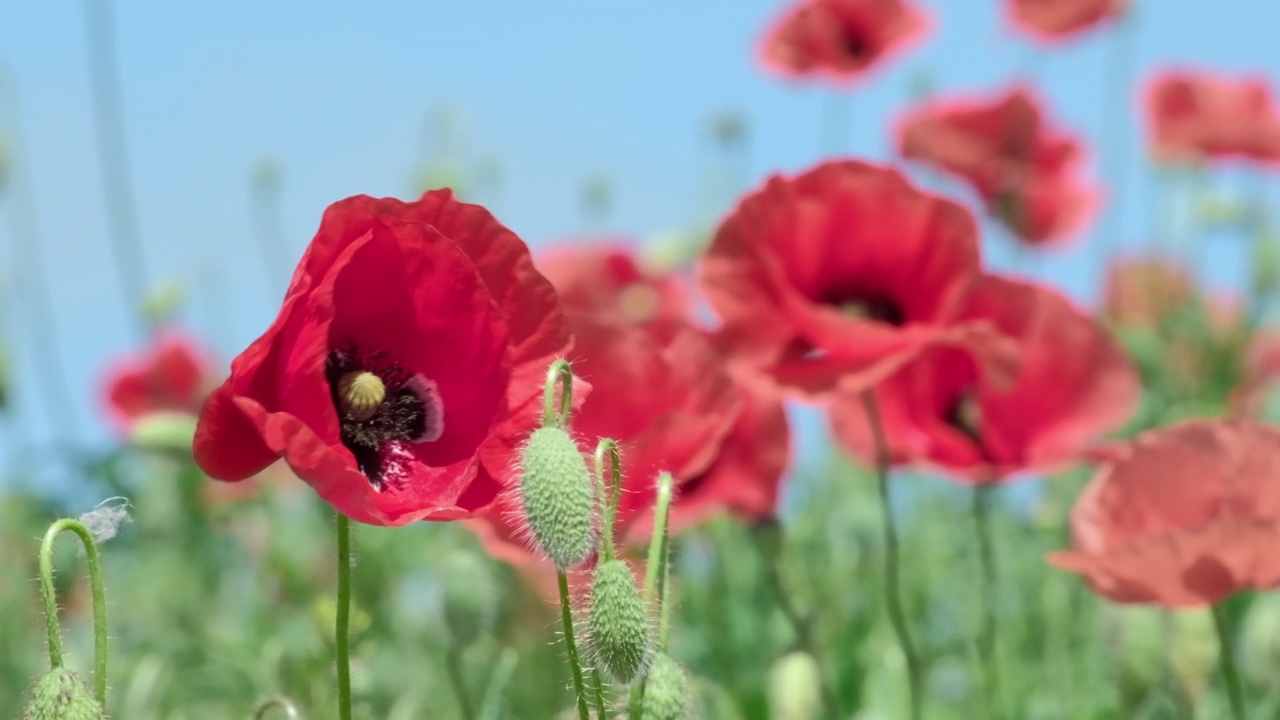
(99, 602)
(1230, 676)
(982, 497)
(802, 626)
(453, 661)
(609, 493)
(341, 636)
(893, 589)
(566, 616)
(276, 704)
(602, 712)
(561, 373)
(655, 581)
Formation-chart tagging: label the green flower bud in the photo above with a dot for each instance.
(60, 695)
(557, 495)
(669, 692)
(164, 431)
(469, 598)
(621, 636)
(795, 690)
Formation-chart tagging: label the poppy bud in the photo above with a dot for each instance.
(164, 431)
(557, 495)
(621, 635)
(60, 695)
(668, 692)
(162, 303)
(795, 691)
(468, 598)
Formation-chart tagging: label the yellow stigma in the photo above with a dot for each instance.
(360, 393)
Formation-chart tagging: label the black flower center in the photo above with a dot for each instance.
(853, 40)
(870, 306)
(965, 415)
(380, 406)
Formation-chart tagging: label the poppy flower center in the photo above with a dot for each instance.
(965, 415)
(381, 407)
(853, 40)
(878, 308)
(639, 302)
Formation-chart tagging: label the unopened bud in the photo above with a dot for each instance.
(469, 598)
(621, 635)
(60, 695)
(557, 496)
(164, 431)
(795, 691)
(668, 692)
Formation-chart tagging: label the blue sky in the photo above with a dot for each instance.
(558, 90)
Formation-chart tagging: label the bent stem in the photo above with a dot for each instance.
(655, 582)
(559, 373)
(281, 704)
(893, 589)
(341, 639)
(801, 625)
(566, 615)
(99, 602)
(982, 497)
(1230, 676)
(609, 490)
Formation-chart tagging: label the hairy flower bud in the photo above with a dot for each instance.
(620, 633)
(469, 598)
(795, 687)
(669, 692)
(60, 695)
(557, 496)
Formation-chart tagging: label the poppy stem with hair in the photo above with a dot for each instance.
(343, 625)
(982, 499)
(1230, 675)
(453, 662)
(892, 586)
(655, 581)
(801, 623)
(99, 602)
(571, 646)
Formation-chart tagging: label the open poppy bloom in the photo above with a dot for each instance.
(1186, 516)
(1025, 170)
(168, 376)
(1194, 116)
(608, 283)
(839, 275)
(948, 408)
(405, 366)
(1053, 20)
(840, 39)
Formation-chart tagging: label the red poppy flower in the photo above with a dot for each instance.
(170, 375)
(839, 274)
(1053, 20)
(608, 283)
(949, 409)
(407, 362)
(1193, 116)
(1187, 516)
(1142, 291)
(1025, 170)
(840, 39)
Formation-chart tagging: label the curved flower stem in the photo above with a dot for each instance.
(281, 704)
(655, 581)
(561, 373)
(453, 661)
(566, 615)
(341, 635)
(99, 602)
(893, 589)
(109, 122)
(982, 497)
(609, 493)
(801, 625)
(1230, 676)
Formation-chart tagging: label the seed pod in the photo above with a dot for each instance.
(557, 496)
(469, 598)
(669, 692)
(60, 695)
(621, 636)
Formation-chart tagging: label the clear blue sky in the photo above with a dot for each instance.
(556, 90)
